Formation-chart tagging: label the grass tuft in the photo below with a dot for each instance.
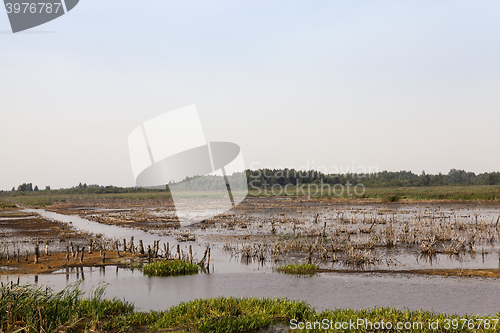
(169, 267)
(297, 269)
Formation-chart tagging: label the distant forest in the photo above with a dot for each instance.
(262, 178)
(268, 177)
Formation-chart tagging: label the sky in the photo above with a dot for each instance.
(341, 85)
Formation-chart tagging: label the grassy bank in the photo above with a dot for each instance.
(489, 192)
(35, 309)
(46, 198)
(389, 194)
(383, 194)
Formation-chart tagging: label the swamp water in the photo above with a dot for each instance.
(227, 278)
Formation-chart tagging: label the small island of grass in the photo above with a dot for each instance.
(170, 267)
(297, 269)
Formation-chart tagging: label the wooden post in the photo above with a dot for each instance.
(167, 251)
(36, 254)
(18, 255)
(178, 255)
(309, 254)
(208, 261)
(46, 247)
(81, 254)
(131, 247)
(91, 243)
(202, 261)
(190, 254)
(72, 250)
(27, 254)
(124, 245)
(67, 253)
(103, 257)
(149, 254)
(141, 247)
(117, 249)
(77, 252)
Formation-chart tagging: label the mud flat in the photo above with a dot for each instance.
(22, 232)
(434, 238)
(56, 261)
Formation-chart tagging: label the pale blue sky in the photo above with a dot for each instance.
(400, 85)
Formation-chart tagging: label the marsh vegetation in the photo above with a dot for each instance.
(28, 308)
(170, 267)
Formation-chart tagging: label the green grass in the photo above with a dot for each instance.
(383, 194)
(169, 267)
(43, 198)
(297, 269)
(393, 194)
(34, 309)
(4, 205)
(30, 308)
(454, 193)
(230, 314)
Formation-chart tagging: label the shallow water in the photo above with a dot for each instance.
(219, 258)
(324, 291)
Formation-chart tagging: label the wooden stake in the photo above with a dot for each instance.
(36, 254)
(117, 249)
(131, 247)
(141, 247)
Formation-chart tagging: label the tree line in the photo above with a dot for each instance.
(263, 178)
(269, 177)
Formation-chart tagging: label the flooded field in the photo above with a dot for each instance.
(436, 256)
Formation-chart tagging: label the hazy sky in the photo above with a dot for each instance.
(400, 85)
